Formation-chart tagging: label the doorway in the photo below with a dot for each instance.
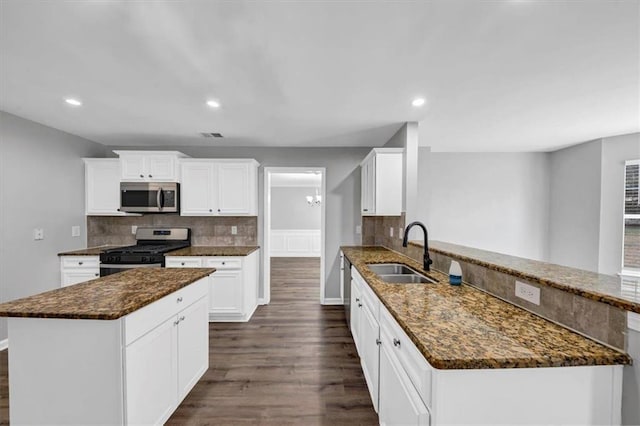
(294, 223)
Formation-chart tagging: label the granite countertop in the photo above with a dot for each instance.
(460, 327)
(91, 251)
(105, 298)
(214, 251)
(613, 290)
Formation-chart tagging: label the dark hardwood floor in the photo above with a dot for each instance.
(293, 363)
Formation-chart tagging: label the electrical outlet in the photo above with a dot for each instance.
(75, 231)
(234, 230)
(528, 292)
(134, 229)
(358, 229)
(38, 234)
(391, 231)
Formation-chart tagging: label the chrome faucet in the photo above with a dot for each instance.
(426, 261)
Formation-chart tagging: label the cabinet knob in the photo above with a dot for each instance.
(150, 176)
(80, 263)
(224, 263)
(176, 322)
(97, 275)
(357, 299)
(141, 176)
(179, 299)
(182, 263)
(181, 318)
(378, 342)
(359, 305)
(396, 342)
(218, 210)
(210, 210)
(365, 210)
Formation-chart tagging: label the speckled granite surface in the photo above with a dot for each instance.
(602, 288)
(105, 298)
(91, 251)
(460, 327)
(214, 251)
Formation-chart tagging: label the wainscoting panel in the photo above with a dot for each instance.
(295, 243)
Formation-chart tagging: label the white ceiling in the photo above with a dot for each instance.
(497, 75)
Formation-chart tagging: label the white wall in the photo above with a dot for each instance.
(615, 151)
(492, 201)
(41, 186)
(575, 206)
(342, 190)
(290, 210)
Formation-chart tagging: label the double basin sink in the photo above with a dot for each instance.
(396, 273)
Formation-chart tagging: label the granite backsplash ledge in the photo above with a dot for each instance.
(205, 231)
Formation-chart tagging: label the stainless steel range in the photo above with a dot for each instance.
(149, 251)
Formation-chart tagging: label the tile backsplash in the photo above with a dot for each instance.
(600, 321)
(205, 231)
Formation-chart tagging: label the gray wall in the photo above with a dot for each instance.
(41, 186)
(342, 188)
(290, 210)
(492, 201)
(615, 151)
(575, 206)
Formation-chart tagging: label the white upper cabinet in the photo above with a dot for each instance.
(149, 166)
(102, 186)
(219, 187)
(381, 173)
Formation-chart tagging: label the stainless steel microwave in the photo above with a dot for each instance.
(151, 197)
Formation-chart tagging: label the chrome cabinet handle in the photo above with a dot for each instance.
(179, 299)
(396, 343)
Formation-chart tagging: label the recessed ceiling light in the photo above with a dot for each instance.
(213, 104)
(73, 102)
(418, 102)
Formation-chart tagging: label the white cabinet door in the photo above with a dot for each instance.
(368, 187)
(102, 186)
(369, 351)
(234, 189)
(356, 309)
(196, 189)
(152, 376)
(133, 168)
(71, 277)
(193, 346)
(400, 404)
(225, 292)
(160, 168)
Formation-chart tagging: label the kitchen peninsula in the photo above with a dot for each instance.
(122, 349)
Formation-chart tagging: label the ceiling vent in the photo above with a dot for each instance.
(211, 135)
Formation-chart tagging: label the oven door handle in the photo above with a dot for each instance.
(124, 266)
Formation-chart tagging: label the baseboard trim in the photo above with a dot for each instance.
(262, 301)
(4, 344)
(332, 301)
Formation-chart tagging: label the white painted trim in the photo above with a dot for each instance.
(4, 344)
(267, 225)
(332, 301)
(295, 243)
(261, 301)
(633, 321)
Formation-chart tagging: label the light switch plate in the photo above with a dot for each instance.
(358, 229)
(134, 229)
(38, 234)
(234, 230)
(75, 231)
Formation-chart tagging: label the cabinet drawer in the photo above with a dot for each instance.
(140, 322)
(411, 359)
(222, 263)
(371, 300)
(80, 262)
(183, 262)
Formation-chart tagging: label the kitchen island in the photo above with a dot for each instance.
(440, 354)
(122, 349)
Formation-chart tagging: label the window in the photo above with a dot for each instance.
(631, 245)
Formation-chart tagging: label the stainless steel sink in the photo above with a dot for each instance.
(396, 273)
(390, 269)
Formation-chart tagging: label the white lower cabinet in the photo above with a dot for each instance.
(406, 390)
(233, 288)
(78, 269)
